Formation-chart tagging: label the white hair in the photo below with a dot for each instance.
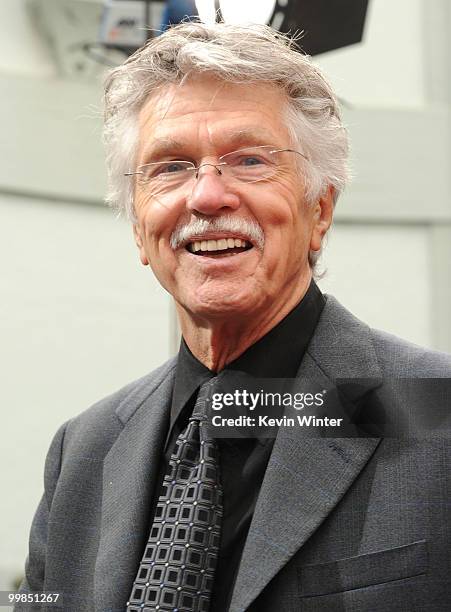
(236, 54)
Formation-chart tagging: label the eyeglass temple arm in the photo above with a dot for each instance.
(289, 151)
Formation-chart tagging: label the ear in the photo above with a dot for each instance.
(322, 218)
(139, 244)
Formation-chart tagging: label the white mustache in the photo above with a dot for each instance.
(227, 223)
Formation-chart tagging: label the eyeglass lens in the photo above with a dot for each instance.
(247, 165)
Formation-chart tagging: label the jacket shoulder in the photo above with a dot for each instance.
(401, 358)
(134, 393)
(349, 347)
(101, 423)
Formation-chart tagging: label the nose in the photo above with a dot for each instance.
(211, 193)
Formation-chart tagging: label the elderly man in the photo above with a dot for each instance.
(226, 150)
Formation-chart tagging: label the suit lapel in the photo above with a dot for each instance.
(129, 476)
(307, 476)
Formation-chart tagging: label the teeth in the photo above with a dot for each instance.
(216, 245)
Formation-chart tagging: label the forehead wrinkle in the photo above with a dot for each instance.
(214, 136)
(158, 97)
(187, 80)
(165, 142)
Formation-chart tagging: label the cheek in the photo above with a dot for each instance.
(157, 222)
(285, 217)
(288, 236)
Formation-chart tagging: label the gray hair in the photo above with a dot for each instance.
(236, 54)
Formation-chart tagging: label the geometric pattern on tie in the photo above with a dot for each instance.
(177, 570)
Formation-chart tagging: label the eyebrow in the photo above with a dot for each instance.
(247, 136)
(162, 146)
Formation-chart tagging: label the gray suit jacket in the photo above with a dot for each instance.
(341, 525)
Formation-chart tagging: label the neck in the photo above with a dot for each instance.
(217, 342)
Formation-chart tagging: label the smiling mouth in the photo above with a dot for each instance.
(224, 247)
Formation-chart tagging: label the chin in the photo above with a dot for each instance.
(221, 304)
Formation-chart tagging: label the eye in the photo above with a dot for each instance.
(170, 167)
(251, 160)
(164, 170)
(247, 161)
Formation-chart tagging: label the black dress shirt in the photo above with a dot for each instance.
(243, 461)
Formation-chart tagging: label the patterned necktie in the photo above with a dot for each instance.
(177, 570)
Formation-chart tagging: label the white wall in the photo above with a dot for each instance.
(381, 274)
(80, 317)
(22, 50)
(388, 257)
(387, 68)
